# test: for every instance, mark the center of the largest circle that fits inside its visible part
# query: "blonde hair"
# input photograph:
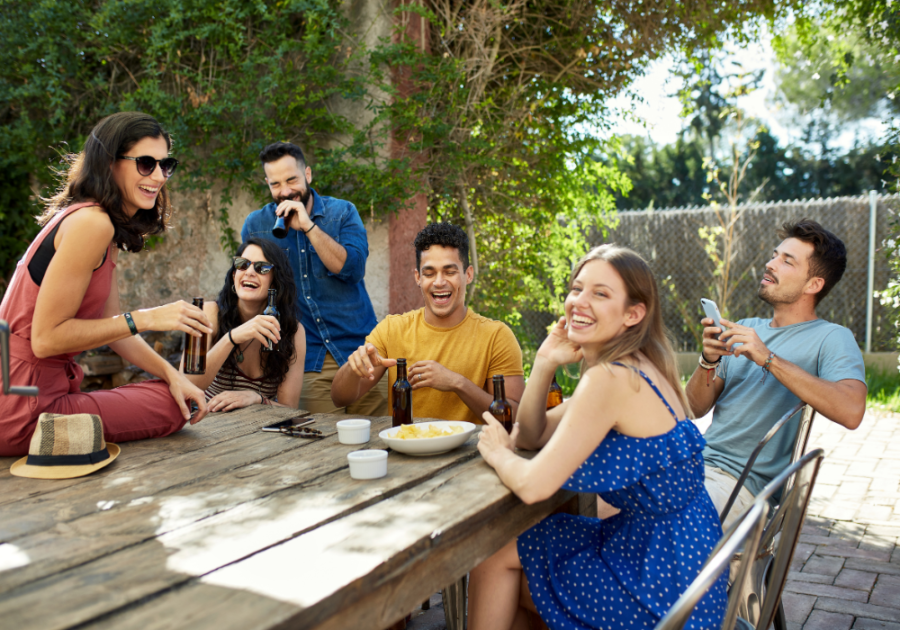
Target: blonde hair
(649, 336)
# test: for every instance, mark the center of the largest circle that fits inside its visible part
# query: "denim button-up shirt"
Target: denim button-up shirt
(334, 308)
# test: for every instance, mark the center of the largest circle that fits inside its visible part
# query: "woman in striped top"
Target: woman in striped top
(238, 374)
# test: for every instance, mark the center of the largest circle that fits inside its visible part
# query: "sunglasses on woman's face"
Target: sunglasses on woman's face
(262, 268)
(146, 165)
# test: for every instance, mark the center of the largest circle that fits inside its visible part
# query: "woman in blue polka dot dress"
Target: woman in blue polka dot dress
(625, 435)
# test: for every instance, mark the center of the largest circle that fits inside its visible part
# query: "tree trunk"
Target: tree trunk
(470, 230)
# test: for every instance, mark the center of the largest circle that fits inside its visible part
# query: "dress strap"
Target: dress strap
(653, 387)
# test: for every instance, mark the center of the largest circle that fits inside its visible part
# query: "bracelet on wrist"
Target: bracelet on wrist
(231, 339)
(766, 365)
(709, 365)
(131, 325)
(310, 229)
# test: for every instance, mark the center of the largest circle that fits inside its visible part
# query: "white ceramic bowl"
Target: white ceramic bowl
(429, 446)
(370, 464)
(355, 431)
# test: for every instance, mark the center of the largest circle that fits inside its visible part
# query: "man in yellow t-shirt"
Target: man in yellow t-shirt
(452, 352)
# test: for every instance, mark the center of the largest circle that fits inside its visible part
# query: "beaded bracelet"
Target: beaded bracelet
(131, 325)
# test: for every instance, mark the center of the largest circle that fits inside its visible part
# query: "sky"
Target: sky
(661, 108)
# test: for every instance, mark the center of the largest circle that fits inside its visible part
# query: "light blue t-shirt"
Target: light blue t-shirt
(747, 408)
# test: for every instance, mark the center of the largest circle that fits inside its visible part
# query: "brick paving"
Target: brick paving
(846, 570)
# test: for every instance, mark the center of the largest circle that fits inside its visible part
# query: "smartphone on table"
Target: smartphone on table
(290, 422)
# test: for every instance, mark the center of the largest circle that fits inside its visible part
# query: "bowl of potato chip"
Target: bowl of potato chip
(427, 438)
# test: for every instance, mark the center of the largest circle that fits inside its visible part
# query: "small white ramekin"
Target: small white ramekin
(353, 431)
(371, 464)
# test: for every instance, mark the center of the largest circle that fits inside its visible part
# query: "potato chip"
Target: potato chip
(419, 431)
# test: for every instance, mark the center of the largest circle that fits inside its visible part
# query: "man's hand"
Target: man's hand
(364, 360)
(713, 349)
(751, 346)
(433, 374)
(183, 390)
(301, 221)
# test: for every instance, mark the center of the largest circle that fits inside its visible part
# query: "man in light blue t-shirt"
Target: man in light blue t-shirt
(763, 367)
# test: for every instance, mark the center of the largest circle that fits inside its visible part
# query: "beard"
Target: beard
(297, 196)
(772, 296)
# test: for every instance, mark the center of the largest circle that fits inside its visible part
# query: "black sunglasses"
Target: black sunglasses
(146, 165)
(262, 268)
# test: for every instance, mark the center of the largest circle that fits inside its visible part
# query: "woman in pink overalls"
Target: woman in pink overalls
(63, 298)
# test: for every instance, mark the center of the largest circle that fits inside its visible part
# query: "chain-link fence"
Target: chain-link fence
(671, 242)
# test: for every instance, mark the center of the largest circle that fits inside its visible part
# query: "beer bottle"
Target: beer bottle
(270, 310)
(195, 348)
(279, 230)
(402, 395)
(554, 396)
(501, 409)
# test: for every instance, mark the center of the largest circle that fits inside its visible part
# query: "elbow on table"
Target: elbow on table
(530, 494)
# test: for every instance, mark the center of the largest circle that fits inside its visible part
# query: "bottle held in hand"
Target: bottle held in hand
(401, 393)
(500, 408)
(555, 395)
(271, 346)
(195, 348)
(279, 230)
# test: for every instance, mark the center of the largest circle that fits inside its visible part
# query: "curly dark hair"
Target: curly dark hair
(829, 257)
(275, 364)
(446, 235)
(278, 150)
(89, 178)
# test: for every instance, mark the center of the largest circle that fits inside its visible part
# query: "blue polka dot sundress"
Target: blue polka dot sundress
(627, 571)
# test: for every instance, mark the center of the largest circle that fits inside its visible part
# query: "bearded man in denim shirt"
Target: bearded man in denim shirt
(327, 246)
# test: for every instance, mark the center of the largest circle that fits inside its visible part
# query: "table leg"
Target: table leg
(454, 597)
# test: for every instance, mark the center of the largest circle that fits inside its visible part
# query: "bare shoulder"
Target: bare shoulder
(88, 221)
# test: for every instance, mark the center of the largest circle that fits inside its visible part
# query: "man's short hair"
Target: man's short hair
(446, 235)
(278, 150)
(829, 257)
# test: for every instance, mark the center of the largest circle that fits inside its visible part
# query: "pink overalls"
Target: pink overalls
(130, 412)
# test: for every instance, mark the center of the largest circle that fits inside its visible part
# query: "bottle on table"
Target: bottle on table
(500, 408)
(555, 395)
(270, 310)
(195, 348)
(401, 393)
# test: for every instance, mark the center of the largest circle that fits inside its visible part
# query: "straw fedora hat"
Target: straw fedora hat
(64, 447)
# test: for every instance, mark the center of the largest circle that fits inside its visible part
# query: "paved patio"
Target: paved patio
(846, 571)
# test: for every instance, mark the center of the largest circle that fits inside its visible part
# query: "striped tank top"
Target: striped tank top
(231, 378)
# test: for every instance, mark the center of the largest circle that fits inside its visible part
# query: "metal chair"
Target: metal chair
(761, 601)
(800, 442)
(742, 538)
(8, 390)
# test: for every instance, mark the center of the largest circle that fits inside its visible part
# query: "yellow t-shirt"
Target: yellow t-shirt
(476, 348)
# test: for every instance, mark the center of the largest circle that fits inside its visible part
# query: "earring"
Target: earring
(233, 290)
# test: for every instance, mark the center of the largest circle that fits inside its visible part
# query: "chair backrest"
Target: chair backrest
(20, 390)
(743, 537)
(799, 446)
(770, 570)
(800, 477)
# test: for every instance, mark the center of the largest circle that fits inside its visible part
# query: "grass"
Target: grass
(884, 389)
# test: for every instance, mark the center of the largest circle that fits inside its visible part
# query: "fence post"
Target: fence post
(870, 284)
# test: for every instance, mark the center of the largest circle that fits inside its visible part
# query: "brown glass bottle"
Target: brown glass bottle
(500, 408)
(554, 396)
(270, 310)
(402, 395)
(195, 348)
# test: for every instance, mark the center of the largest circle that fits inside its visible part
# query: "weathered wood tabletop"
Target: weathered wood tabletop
(224, 526)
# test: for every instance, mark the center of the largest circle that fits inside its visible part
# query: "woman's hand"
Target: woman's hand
(178, 315)
(557, 348)
(183, 390)
(494, 441)
(262, 328)
(231, 400)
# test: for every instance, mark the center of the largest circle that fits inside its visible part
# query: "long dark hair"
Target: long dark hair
(649, 336)
(275, 364)
(89, 178)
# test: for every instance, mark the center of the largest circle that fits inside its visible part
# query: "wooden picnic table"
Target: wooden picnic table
(223, 526)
